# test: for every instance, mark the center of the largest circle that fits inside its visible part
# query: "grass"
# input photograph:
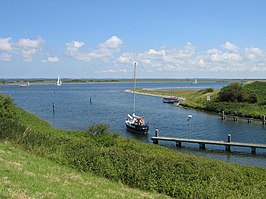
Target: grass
(198, 100)
(24, 175)
(122, 160)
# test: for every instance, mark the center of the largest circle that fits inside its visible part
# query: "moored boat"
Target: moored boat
(170, 99)
(133, 122)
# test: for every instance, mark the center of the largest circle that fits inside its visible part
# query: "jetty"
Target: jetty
(202, 143)
(249, 120)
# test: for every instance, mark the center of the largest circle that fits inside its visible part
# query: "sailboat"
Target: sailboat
(195, 81)
(24, 85)
(59, 81)
(171, 99)
(133, 122)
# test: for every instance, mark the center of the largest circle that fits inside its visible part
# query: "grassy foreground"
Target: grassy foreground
(23, 175)
(130, 162)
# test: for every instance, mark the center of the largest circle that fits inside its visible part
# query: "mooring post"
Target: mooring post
(201, 145)
(253, 150)
(263, 120)
(227, 147)
(178, 144)
(250, 120)
(223, 115)
(155, 141)
(53, 107)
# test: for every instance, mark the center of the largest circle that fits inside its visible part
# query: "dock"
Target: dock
(249, 120)
(202, 143)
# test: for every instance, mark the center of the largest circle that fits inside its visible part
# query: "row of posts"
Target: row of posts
(248, 119)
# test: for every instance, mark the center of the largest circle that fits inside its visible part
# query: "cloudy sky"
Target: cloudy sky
(103, 38)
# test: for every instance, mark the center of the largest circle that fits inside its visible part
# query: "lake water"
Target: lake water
(110, 105)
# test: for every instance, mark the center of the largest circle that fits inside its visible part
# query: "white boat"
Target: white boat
(133, 122)
(195, 81)
(24, 85)
(59, 81)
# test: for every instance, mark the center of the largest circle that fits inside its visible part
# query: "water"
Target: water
(110, 105)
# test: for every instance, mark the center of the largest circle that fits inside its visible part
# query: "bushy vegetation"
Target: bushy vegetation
(235, 92)
(245, 100)
(145, 166)
(24, 176)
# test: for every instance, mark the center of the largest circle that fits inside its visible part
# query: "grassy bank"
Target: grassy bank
(197, 99)
(24, 175)
(136, 164)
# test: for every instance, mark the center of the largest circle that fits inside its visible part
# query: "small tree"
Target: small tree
(235, 93)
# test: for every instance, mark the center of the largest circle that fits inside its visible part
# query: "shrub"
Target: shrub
(207, 90)
(235, 93)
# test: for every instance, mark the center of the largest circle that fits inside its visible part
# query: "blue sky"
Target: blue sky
(103, 38)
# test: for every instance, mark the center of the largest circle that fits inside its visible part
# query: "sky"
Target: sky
(104, 38)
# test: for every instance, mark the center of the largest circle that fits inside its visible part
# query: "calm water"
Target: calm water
(110, 105)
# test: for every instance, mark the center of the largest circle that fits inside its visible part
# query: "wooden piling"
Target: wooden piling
(263, 120)
(201, 145)
(156, 135)
(178, 144)
(223, 115)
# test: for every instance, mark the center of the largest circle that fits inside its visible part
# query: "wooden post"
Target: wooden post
(53, 107)
(263, 120)
(201, 145)
(223, 115)
(253, 150)
(178, 144)
(155, 141)
(228, 147)
(156, 133)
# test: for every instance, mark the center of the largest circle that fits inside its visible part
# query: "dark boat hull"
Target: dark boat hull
(143, 129)
(170, 100)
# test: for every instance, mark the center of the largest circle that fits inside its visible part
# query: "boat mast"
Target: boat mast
(134, 89)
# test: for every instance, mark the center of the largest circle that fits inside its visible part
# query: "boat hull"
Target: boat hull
(143, 129)
(170, 100)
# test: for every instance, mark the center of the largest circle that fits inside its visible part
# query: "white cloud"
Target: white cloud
(28, 43)
(112, 43)
(5, 57)
(51, 60)
(5, 44)
(27, 48)
(27, 54)
(228, 58)
(231, 47)
(104, 50)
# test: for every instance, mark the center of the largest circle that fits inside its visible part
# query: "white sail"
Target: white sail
(59, 82)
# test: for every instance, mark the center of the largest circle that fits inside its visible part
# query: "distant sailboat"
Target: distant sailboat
(133, 122)
(59, 81)
(195, 81)
(24, 85)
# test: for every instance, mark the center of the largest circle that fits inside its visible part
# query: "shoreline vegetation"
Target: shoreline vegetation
(147, 167)
(19, 81)
(244, 100)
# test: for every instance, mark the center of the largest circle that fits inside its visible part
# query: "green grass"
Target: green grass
(198, 100)
(123, 160)
(24, 175)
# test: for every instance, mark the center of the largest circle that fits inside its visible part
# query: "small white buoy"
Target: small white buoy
(189, 117)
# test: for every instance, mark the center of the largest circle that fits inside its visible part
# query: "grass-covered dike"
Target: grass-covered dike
(130, 162)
